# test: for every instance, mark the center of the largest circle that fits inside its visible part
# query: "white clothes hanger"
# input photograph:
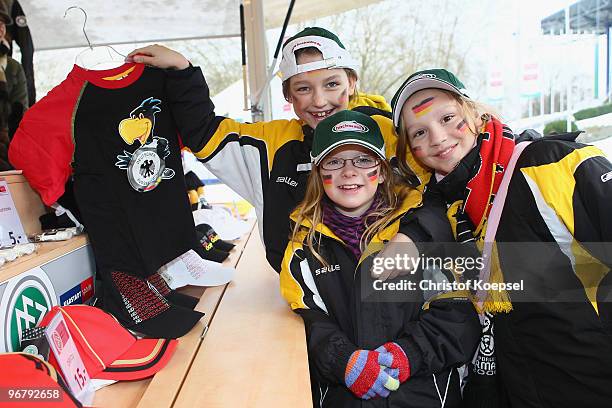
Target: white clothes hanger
(96, 56)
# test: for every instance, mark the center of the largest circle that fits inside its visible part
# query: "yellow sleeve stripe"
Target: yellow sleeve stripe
(289, 286)
(559, 196)
(273, 134)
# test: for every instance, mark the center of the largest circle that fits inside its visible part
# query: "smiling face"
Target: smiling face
(438, 133)
(318, 94)
(350, 188)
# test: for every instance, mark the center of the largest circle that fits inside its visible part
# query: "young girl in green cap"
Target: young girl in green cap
(376, 351)
(545, 205)
(268, 163)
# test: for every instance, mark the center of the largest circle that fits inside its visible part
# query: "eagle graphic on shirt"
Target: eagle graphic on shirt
(146, 167)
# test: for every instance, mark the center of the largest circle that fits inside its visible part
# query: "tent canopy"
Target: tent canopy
(135, 21)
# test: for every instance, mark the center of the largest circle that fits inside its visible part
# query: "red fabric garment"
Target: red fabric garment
(43, 146)
(43, 149)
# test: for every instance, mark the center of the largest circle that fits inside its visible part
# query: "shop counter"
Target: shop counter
(248, 350)
(58, 273)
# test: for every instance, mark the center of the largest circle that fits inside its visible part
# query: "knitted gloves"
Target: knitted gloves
(399, 360)
(365, 374)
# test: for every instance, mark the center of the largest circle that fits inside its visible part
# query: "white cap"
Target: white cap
(334, 56)
(227, 227)
(190, 269)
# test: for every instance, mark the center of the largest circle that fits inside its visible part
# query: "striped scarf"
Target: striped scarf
(348, 229)
(472, 185)
(469, 191)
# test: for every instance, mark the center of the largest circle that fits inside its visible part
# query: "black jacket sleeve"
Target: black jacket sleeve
(445, 335)
(328, 347)
(427, 226)
(448, 330)
(591, 203)
(192, 109)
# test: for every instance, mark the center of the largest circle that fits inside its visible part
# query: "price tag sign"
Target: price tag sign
(69, 360)
(11, 229)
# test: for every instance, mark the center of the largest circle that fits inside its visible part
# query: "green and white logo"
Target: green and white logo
(27, 298)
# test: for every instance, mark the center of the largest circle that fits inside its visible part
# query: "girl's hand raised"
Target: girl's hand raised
(158, 56)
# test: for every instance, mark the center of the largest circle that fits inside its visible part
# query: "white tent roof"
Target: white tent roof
(132, 21)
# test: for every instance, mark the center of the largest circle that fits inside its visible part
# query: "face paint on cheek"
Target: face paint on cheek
(418, 152)
(327, 180)
(373, 176)
(344, 97)
(462, 126)
(423, 107)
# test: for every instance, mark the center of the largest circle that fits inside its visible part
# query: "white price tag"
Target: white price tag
(69, 360)
(11, 229)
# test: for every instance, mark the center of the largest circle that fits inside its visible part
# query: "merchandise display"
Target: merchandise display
(210, 251)
(227, 227)
(108, 350)
(213, 237)
(115, 130)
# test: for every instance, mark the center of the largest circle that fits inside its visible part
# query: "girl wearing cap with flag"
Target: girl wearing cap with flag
(268, 163)
(538, 210)
(366, 349)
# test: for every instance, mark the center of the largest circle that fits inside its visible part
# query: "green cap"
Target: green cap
(430, 78)
(343, 128)
(316, 31)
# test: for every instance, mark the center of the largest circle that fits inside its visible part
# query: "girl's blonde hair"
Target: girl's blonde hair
(309, 51)
(474, 113)
(311, 210)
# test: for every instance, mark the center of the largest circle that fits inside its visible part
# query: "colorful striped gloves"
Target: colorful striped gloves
(399, 360)
(376, 373)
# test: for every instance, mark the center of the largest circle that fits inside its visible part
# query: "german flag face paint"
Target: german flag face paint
(462, 126)
(327, 180)
(423, 107)
(373, 176)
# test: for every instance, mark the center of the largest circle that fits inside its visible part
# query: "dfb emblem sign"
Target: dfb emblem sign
(26, 299)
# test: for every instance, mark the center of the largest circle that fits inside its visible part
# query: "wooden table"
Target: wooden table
(255, 353)
(248, 350)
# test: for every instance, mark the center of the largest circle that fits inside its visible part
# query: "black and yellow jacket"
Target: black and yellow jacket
(342, 313)
(267, 163)
(554, 347)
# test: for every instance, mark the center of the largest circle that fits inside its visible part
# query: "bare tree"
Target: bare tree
(219, 59)
(395, 38)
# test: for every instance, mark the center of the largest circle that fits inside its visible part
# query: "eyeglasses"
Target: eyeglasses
(361, 162)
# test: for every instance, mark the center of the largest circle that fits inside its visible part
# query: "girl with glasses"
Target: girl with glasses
(367, 348)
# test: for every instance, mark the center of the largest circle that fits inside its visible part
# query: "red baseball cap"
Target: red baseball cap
(29, 372)
(108, 350)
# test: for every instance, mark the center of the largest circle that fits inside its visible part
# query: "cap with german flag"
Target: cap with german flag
(437, 78)
(109, 351)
